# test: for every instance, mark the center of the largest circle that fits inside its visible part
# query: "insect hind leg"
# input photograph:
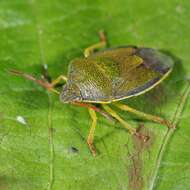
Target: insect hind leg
(149, 117)
(132, 130)
(118, 118)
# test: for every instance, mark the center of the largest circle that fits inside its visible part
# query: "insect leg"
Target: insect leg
(116, 116)
(99, 45)
(90, 138)
(58, 79)
(96, 109)
(124, 123)
(144, 115)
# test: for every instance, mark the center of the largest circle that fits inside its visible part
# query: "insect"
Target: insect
(109, 76)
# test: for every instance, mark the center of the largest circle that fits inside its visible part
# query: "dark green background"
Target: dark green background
(33, 33)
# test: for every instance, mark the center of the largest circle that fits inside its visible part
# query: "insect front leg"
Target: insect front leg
(101, 44)
(144, 115)
(52, 84)
(58, 79)
(90, 138)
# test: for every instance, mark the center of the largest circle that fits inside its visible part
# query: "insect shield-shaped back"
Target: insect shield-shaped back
(115, 74)
(156, 60)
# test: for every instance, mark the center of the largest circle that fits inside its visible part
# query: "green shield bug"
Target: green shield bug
(109, 76)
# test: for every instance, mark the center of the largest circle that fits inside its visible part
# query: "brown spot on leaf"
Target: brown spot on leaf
(3, 183)
(135, 172)
(1, 115)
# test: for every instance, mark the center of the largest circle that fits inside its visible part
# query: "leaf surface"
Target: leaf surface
(43, 142)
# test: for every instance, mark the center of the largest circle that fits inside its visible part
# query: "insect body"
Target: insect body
(109, 76)
(115, 74)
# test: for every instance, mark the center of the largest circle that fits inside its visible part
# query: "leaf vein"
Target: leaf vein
(168, 134)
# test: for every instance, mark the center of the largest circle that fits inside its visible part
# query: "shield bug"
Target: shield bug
(109, 76)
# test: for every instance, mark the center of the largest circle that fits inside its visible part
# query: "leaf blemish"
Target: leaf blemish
(73, 150)
(21, 120)
(135, 171)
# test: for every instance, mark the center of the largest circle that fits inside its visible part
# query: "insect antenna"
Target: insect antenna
(49, 87)
(41, 82)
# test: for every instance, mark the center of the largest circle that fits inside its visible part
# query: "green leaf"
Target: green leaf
(43, 142)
